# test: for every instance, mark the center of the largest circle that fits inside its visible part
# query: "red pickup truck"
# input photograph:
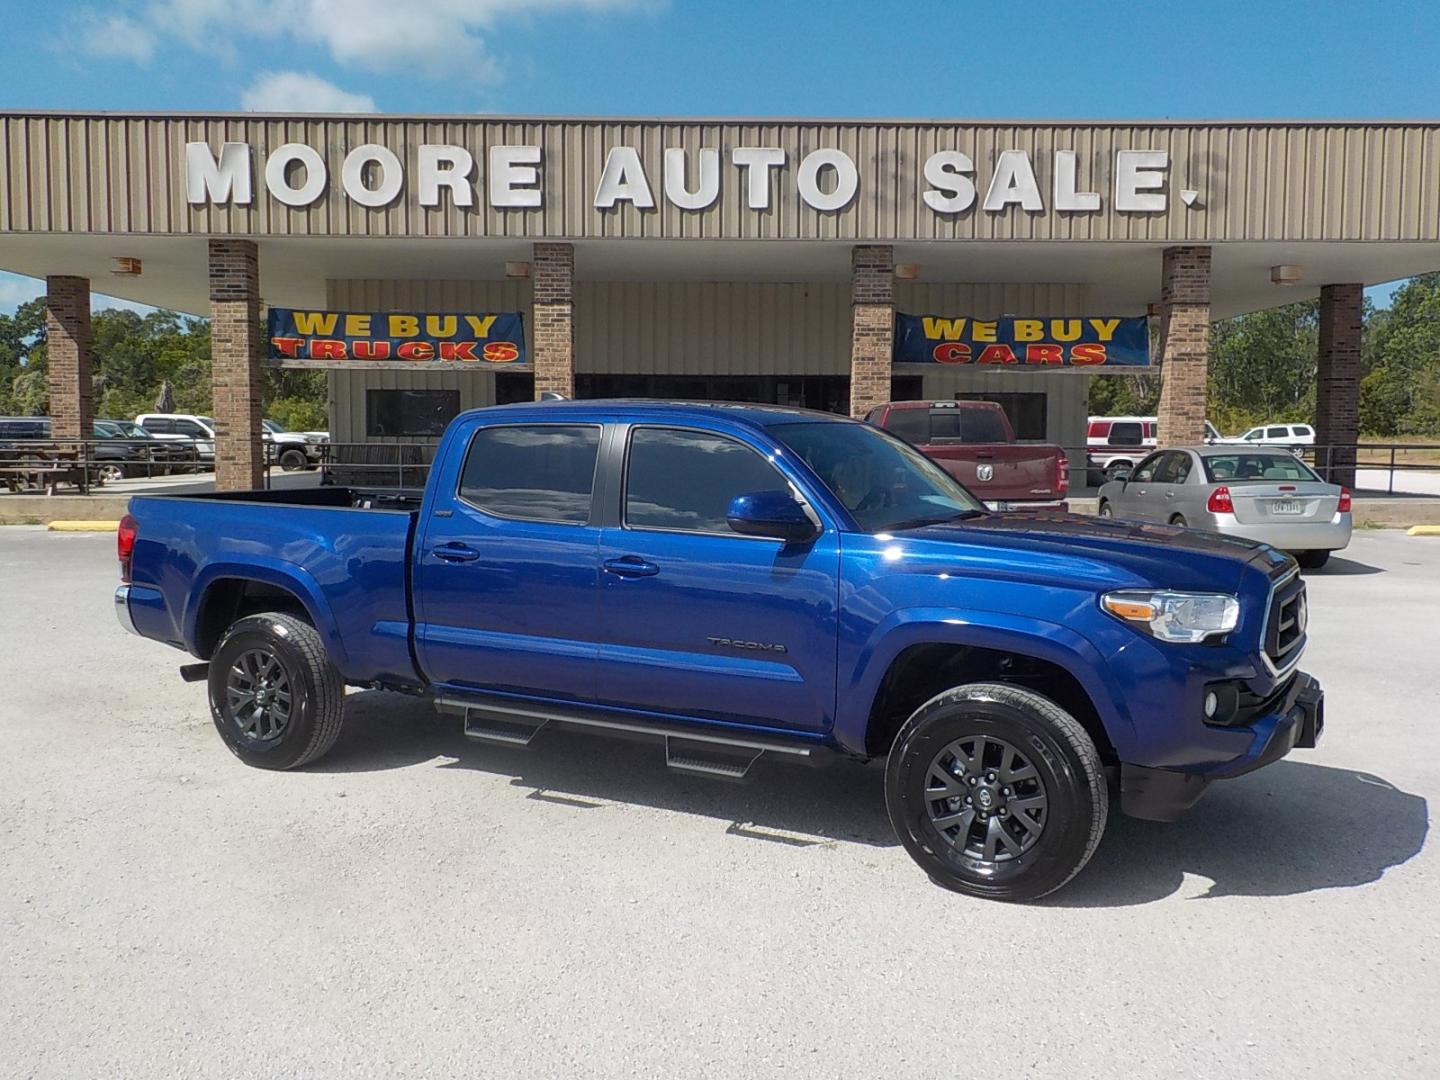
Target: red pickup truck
(974, 442)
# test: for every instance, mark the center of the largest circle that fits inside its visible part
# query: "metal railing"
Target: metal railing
(377, 466)
(49, 465)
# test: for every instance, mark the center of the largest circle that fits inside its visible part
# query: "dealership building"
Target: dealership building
(431, 264)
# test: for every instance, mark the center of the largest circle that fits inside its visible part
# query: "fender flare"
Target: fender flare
(1052, 642)
(285, 576)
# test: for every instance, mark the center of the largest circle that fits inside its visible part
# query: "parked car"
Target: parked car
(974, 442)
(111, 455)
(1291, 435)
(166, 455)
(1114, 444)
(198, 430)
(1263, 494)
(295, 450)
(743, 580)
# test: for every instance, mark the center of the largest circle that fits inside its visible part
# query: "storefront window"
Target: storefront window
(409, 413)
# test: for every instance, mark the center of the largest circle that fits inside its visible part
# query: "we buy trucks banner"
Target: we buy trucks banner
(1012, 341)
(467, 337)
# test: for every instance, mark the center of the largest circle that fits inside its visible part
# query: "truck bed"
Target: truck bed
(342, 554)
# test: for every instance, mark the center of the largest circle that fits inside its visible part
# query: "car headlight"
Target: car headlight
(1183, 617)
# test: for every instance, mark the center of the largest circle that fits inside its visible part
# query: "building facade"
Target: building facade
(738, 259)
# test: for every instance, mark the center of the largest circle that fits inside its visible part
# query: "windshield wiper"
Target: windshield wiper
(922, 522)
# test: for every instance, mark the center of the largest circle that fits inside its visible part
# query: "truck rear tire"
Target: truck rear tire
(996, 792)
(275, 697)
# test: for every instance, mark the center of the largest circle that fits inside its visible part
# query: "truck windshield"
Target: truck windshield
(885, 483)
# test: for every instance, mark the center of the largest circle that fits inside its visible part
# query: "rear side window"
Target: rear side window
(1126, 433)
(1277, 433)
(1099, 429)
(536, 472)
(1174, 468)
(967, 426)
(189, 427)
(159, 426)
(912, 425)
(679, 479)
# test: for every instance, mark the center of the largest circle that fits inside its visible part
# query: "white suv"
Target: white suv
(188, 427)
(295, 449)
(1277, 435)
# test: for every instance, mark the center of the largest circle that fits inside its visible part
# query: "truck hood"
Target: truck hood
(1116, 554)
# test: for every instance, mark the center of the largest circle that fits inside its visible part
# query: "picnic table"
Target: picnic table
(22, 468)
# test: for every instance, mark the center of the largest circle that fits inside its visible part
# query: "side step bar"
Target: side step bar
(687, 750)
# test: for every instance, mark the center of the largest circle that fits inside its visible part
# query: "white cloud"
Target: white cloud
(116, 37)
(294, 91)
(440, 39)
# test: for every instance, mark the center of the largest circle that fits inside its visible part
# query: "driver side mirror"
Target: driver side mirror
(775, 514)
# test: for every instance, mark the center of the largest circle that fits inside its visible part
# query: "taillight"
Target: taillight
(1220, 502)
(1062, 474)
(1344, 500)
(125, 544)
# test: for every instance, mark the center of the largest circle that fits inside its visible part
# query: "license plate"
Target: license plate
(1286, 506)
(1000, 506)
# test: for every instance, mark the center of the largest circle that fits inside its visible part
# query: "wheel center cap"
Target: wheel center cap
(985, 798)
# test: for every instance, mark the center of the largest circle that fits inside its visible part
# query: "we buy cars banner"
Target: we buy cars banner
(468, 337)
(1012, 341)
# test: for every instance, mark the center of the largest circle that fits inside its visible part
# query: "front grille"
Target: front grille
(1285, 624)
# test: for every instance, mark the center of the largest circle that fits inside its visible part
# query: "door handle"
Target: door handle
(455, 553)
(1169, 494)
(630, 566)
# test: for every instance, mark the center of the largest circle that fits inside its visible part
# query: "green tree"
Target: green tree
(1400, 392)
(1262, 366)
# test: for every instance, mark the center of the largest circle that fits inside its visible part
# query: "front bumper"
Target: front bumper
(1165, 794)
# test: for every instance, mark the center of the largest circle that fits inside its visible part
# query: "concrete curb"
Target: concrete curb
(83, 526)
(43, 509)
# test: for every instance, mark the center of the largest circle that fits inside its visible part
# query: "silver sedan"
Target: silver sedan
(1259, 493)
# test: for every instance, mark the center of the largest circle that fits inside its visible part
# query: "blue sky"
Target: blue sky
(961, 59)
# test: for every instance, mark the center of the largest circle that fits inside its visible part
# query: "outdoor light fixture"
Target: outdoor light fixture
(1285, 274)
(517, 269)
(126, 265)
(907, 271)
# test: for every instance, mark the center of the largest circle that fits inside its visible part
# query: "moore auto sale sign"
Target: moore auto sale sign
(512, 177)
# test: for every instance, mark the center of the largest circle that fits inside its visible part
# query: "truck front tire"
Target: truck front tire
(996, 792)
(276, 698)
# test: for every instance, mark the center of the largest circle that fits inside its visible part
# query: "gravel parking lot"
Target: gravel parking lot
(416, 905)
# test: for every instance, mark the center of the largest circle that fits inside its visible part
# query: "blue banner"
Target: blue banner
(1010, 341)
(419, 337)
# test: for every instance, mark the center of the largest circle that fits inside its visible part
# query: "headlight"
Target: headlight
(1175, 616)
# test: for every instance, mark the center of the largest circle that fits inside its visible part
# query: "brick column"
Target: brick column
(67, 346)
(872, 325)
(1337, 389)
(1184, 345)
(552, 349)
(235, 364)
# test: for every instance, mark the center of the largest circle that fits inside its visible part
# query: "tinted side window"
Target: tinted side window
(686, 479)
(1147, 469)
(912, 425)
(967, 425)
(189, 427)
(159, 426)
(538, 472)
(1277, 433)
(1180, 468)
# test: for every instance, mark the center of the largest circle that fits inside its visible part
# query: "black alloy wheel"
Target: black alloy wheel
(986, 798)
(276, 699)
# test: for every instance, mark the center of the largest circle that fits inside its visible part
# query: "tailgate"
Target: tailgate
(1000, 472)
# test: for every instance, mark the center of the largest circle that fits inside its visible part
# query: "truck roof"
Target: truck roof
(651, 409)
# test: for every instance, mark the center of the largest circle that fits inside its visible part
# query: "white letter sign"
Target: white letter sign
(1139, 178)
(757, 161)
(445, 166)
(352, 175)
(847, 180)
(709, 187)
(217, 180)
(623, 178)
(1013, 183)
(279, 162)
(514, 176)
(1066, 197)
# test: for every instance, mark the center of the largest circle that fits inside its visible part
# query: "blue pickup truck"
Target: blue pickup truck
(740, 580)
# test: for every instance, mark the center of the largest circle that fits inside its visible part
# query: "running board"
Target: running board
(687, 750)
(708, 759)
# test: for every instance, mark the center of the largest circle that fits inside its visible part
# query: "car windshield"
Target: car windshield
(272, 427)
(883, 481)
(1242, 467)
(207, 422)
